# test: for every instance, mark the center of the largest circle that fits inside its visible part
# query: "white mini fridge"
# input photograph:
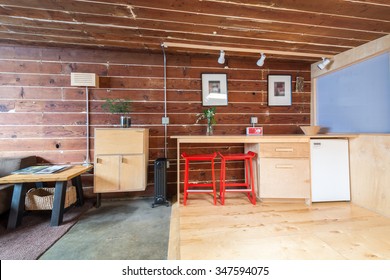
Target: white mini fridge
(329, 170)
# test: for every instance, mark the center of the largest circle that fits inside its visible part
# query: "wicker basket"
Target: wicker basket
(42, 198)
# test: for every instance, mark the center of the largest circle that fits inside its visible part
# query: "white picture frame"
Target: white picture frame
(279, 90)
(214, 89)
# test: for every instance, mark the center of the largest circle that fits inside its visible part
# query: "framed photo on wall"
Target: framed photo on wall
(214, 90)
(279, 90)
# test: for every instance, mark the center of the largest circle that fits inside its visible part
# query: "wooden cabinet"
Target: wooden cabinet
(284, 171)
(121, 159)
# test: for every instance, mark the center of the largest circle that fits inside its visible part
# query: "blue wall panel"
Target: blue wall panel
(357, 98)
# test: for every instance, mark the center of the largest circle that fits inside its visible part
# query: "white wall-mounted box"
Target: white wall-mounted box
(84, 79)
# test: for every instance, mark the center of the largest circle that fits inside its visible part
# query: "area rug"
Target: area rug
(126, 229)
(35, 235)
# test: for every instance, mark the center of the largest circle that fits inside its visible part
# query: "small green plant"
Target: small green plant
(208, 114)
(117, 105)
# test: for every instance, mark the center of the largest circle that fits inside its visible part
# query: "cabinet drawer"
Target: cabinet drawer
(120, 141)
(284, 178)
(284, 150)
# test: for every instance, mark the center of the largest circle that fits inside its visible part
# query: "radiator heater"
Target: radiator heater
(160, 182)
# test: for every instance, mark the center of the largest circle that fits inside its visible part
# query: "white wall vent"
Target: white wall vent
(84, 79)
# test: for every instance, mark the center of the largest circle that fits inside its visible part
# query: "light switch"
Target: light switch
(253, 120)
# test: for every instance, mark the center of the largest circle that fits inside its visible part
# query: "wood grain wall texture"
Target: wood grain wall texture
(42, 115)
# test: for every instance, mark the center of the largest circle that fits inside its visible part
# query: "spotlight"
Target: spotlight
(221, 59)
(260, 62)
(322, 65)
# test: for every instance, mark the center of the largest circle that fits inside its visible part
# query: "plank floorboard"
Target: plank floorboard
(278, 231)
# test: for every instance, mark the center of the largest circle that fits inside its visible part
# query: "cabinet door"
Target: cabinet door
(284, 178)
(106, 174)
(132, 173)
(120, 141)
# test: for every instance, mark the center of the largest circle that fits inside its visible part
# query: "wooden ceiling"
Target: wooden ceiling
(305, 29)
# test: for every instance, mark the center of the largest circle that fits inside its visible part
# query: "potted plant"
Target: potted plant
(119, 106)
(209, 115)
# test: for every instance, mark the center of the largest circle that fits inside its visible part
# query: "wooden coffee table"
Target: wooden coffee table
(61, 178)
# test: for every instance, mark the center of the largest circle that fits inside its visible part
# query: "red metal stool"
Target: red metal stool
(204, 186)
(249, 179)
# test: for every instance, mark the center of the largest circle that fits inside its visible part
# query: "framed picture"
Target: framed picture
(279, 90)
(214, 90)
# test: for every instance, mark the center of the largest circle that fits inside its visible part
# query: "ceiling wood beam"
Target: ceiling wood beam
(242, 50)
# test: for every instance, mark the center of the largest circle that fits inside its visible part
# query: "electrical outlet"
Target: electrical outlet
(165, 120)
(253, 120)
(167, 163)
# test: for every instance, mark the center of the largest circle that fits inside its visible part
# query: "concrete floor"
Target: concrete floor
(118, 230)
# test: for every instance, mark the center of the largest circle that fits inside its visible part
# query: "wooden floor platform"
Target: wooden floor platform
(276, 231)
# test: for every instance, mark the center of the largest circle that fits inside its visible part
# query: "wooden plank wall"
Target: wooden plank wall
(42, 115)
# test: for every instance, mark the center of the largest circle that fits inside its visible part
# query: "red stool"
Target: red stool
(204, 186)
(249, 179)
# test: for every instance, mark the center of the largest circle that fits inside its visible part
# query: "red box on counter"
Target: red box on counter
(254, 131)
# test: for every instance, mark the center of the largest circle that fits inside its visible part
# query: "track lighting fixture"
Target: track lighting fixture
(322, 65)
(260, 62)
(221, 58)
